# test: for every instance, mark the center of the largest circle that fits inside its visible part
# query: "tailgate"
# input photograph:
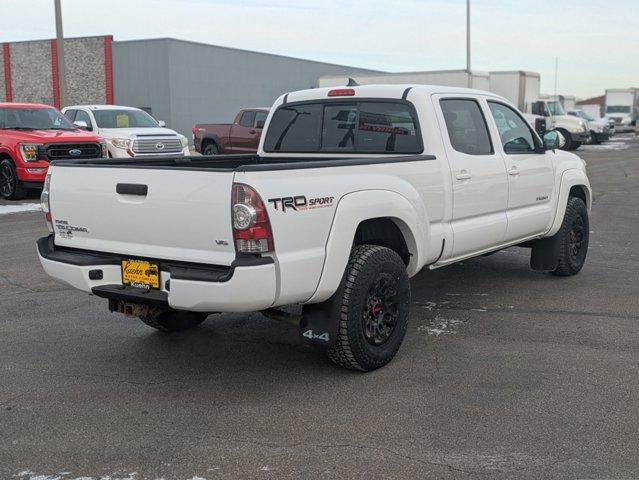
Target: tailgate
(185, 215)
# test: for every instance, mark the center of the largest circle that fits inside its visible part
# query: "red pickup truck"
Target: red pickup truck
(241, 136)
(32, 135)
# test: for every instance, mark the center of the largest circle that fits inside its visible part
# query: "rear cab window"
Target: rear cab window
(356, 126)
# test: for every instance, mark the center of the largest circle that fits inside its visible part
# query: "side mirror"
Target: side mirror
(540, 125)
(162, 123)
(552, 140)
(538, 109)
(82, 125)
(259, 124)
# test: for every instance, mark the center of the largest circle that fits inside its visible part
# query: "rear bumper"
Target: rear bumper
(247, 285)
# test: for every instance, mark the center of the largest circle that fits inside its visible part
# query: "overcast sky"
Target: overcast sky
(596, 41)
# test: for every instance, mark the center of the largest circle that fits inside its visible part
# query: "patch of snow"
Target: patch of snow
(440, 326)
(20, 208)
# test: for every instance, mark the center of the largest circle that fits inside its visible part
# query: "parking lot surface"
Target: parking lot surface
(505, 373)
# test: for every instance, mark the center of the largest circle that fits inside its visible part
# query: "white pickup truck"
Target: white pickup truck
(353, 191)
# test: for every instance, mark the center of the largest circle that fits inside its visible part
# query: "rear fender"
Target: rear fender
(570, 178)
(355, 208)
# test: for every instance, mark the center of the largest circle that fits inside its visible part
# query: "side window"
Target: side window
(516, 135)
(260, 119)
(466, 126)
(83, 116)
(247, 119)
(70, 114)
(295, 128)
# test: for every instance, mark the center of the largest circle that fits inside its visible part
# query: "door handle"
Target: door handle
(131, 189)
(513, 171)
(252, 132)
(463, 175)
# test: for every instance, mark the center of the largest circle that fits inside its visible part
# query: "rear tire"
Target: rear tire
(211, 149)
(174, 320)
(375, 302)
(573, 238)
(11, 187)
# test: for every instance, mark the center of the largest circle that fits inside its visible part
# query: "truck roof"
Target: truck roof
(381, 91)
(24, 105)
(104, 107)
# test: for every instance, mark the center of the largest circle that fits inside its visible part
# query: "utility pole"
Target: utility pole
(62, 70)
(556, 68)
(468, 42)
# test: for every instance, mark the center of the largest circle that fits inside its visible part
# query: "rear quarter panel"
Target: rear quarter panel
(301, 234)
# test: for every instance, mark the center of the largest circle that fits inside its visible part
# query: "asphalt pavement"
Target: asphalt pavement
(505, 373)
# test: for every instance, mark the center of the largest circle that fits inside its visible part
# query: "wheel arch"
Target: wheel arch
(574, 183)
(209, 139)
(378, 217)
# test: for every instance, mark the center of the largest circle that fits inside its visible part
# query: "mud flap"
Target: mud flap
(545, 254)
(319, 324)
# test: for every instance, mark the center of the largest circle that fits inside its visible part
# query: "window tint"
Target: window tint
(466, 126)
(295, 128)
(247, 119)
(83, 116)
(387, 127)
(338, 132)
(356, 127)
(70, 114)
(260, 118)
(516, 136)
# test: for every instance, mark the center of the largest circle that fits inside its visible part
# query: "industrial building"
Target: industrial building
(177, 81)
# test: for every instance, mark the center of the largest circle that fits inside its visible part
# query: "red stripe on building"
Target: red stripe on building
(55, 79)
(108, 69)
(6, 59)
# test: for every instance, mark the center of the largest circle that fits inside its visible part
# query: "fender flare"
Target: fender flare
(211, 137)
(353, 209)
(570, 178)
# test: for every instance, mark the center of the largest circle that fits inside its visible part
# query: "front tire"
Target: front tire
(573, 238)
(567, 138)
(174, 320)
(374, 306)
(11, 187)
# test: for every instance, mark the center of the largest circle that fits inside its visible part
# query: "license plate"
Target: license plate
(141, 274)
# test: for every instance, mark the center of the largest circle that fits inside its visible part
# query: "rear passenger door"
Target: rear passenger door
(479, 178)
(530, 171)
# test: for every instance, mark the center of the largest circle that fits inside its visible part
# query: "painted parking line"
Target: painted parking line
(19, 208)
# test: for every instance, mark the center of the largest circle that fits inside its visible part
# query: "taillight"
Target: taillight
(251, 227)
(45, 201)
(341, 92)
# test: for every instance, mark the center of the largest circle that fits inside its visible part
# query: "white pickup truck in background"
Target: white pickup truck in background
(129, 132)
(353, 191)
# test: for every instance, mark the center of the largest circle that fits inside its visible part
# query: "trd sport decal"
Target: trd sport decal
(300, 202)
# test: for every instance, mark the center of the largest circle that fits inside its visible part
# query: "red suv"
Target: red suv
(31, 136)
